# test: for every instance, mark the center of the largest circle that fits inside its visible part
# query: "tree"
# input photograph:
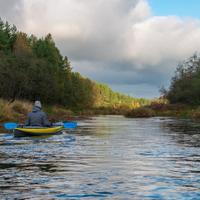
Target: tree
(7, 36)
(33, 68)
(185, 84)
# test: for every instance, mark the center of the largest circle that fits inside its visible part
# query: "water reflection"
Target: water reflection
(184, 131)
(108, 157)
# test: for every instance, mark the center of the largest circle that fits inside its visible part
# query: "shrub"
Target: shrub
(59, 113)
(140, 112)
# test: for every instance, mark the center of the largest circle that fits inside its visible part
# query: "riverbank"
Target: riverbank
(17, 112)
(165, 110)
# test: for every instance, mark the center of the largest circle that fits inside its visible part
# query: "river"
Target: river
(106, 157)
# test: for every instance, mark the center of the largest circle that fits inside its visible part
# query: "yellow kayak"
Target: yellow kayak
(34, 131)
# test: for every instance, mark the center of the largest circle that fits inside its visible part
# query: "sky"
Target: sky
(134, 46)
(182, 8)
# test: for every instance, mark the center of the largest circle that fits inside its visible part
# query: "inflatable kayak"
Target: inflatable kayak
(37, 131)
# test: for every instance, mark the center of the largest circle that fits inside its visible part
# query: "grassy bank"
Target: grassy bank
(17, 111)
(165, 110)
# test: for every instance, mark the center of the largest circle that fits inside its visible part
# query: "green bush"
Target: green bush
(141, 112)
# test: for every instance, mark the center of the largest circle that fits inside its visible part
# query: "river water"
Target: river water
(106, 157)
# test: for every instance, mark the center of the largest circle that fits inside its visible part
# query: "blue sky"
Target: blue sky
(182, 8)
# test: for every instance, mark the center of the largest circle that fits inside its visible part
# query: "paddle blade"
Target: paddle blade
(10, 125)
(70, 124)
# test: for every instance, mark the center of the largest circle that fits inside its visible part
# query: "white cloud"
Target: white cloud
(164, 40)
(11, 11)
(85, 29)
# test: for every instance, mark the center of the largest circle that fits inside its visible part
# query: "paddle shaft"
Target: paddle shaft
(13, 125)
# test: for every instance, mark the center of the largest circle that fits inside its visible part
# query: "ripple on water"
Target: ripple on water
(107, 157)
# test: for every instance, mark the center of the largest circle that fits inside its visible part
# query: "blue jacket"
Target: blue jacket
(37, 118)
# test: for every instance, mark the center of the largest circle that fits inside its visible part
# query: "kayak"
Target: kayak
(37, 131)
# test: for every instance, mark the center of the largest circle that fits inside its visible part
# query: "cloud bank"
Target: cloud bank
(118, 42)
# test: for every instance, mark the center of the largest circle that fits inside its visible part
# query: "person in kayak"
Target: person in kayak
(37, 117)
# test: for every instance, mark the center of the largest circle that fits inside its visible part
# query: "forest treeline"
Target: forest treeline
(33, 68)
(185, 84)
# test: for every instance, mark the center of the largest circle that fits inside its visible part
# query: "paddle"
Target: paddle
(13, 125)
(66, 124)
(10, 125)
(70, 124)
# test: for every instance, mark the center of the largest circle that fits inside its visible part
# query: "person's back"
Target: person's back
(37, 117)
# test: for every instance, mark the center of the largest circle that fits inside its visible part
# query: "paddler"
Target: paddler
(37, 117)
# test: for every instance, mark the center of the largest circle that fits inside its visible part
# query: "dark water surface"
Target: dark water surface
(108, 157)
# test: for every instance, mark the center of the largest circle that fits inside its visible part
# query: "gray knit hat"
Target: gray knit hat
(38, 104)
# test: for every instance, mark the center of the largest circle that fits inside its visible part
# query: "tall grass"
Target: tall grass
(16, 110)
